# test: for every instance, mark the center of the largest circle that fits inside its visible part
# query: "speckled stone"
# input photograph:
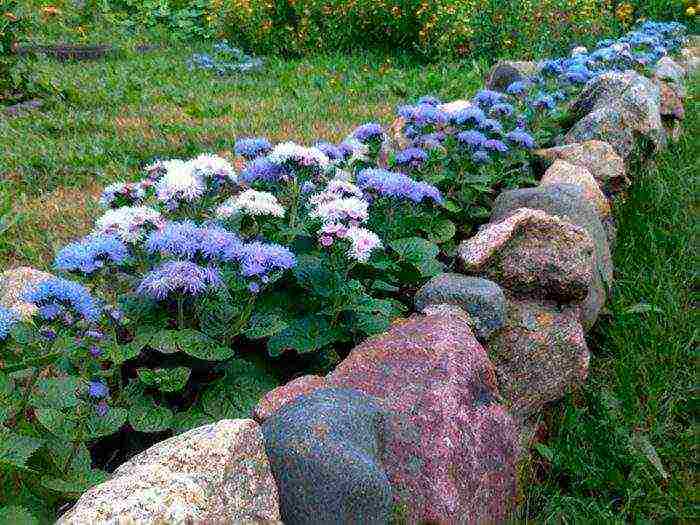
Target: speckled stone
(325, 451)
(618, 108)
(690, 59)
(533, 254)
(567, 202)
(598, 157)
(503, 74)
(282, 395)
(563, 172)
(449, 447)
(540, 354)
(217, 473)
(482, 299)
(13, 283)
(671, 106)
(667, 69)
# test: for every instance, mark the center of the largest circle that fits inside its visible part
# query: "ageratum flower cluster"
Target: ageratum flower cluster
(61, 299)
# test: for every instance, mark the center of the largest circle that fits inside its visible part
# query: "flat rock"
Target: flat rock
(449, 447)
(598, 157)
(325, 451)
(282, 395)
(533, 254)
(215, 473)
(618, 108)
(504, 73)
(540, 354)
(482, 299)
(562, 172)
(13, 284)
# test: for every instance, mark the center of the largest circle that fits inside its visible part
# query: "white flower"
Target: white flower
(579, 50)
(180, 182)
(128, 222)
(290, 151)
(131, 190)
(337, 188)
(362, 243)
(251, 202)
(358, 149)
(340, 209)
(213, 166)
(455, 106)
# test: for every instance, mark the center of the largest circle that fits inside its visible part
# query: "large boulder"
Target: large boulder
(325, 451)
(217, 473)
(449, 448)
(668, 70)
(533, 254)
(567, 202)
(282, 395)
(618, 108)
(504, 73)
(562, 172)
(671, 101)
(540, 354)
(13, 284)
(482, 299)
(598, 157)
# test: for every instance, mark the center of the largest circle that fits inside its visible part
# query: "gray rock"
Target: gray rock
(562, 172)
(619, 108)
(567, 202)
(482, 299)
(503, 74)
(325, 450)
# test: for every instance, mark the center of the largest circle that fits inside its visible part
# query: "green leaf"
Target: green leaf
(190, 342)
(57, 423)
(145, 416)
(100, 426)
(451, 206)
(76, 485)
(56, 392)
(120, 353)
(17, 516)
(16, 449)
(23, 333)
(383, 286)
(313, 274)
(165, 379)
(61, 450)
(442, 230)
(264, 325)
(165, 341)
(192, 418)
(545, 451)
(305, 334)
(419, 253)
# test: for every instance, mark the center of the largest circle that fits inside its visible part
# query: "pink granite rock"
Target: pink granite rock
(532, 253)
(282, 395)
(540, 354)
(671, 106)
(449, 448)
(563, 172)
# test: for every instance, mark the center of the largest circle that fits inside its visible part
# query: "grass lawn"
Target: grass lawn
(118, 115)
(623, 449)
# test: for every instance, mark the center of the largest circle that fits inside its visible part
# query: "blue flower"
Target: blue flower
(260, 259)
(251, 148)
(182, 277)
(521, 138)
(91, 253)
(429, 100)
(517, 88)
(367, 132)
(481, 157)
(544, 102)
(187, 240)
(56, 296)
(97, 389)
(471, 138)
(468, 116)
(412, 157)
(501, 110)
(492, 126)
(487, 98)
(261, 170)
(422, 115)
(552, 67)
(8, 318)
(333, 152)
(396, 185)
(496, 145)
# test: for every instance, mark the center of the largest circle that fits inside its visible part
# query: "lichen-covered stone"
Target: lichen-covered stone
(325, 451)
(667, 69)
(567, 202)
(618, 108)
(503, 74)
(540, 354)
(13, 284)
(598, 157)
(282, 395)
(534, 254)
(563, 172)
(482, 299)
(449, 448)
(217, 473)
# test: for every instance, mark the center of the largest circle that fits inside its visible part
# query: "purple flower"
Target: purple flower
(91, 253)
(102, 408)
(261, 170)
(8, 318)
(491, 126)
(326, 240)
(94, 334)
(578, 74)
(95, 351)
(518, 88)
(260, 259)
(48, 334)
(368, 132)
(429, 100)
(396, 185)
(422, 115)
(253, 287)
(481, 157)
(251, 148)
(471, 138)
(56, 296)
(182, 277)
(487, 98)
(501, 110)
(468, 116)
(413, 157)
(188, 240)
(496, 145)
(97, 389)
(333, 152)
(521, 138)
(552, 67)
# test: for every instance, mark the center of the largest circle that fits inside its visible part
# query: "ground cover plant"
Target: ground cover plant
(190, 260)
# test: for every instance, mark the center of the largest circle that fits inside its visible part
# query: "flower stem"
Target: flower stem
(180, 312)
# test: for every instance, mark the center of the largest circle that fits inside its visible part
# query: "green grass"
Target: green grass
(623, 449)
(115, 116)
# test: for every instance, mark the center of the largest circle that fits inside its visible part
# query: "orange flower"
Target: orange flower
(50, 10)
